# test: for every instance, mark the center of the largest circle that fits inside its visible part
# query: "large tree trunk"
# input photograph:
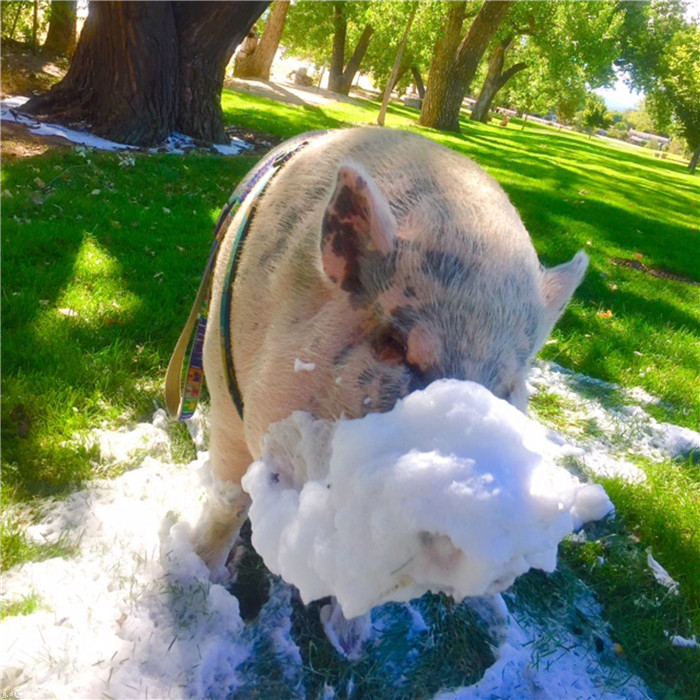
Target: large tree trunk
(339, 78)
(440, 74)
(451, 71)
(144, 69)
(495, 80)
(208, 33)
(257, 64)
(60, 39)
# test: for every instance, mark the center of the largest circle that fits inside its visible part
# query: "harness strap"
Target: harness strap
(182, 394)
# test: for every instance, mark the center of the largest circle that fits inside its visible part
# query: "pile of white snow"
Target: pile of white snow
(453, 491)
(10, 110)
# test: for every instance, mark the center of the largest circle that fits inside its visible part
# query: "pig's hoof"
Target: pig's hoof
(346, 636)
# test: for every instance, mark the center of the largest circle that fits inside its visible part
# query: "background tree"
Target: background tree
(341, 74)
(144, 69)
(257, 64)
(61, 36)
(397, 65)
(577, 43)
(595, 115)
(415, 61)
(660, 55)
(323, 34)
(24, 20)
(455, 61)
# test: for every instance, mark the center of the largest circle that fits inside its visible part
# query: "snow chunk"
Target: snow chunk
(660, 574)
(454, 490)
(678, 641)
(301, 366)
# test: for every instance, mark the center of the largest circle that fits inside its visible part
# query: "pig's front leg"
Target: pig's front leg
(226, 504)
(346, 636)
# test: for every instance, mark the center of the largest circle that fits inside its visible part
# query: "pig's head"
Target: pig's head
(432, 287)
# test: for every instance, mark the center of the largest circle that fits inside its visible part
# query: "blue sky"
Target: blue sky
(618, 97)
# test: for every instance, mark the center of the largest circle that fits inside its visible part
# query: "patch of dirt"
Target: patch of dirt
(26, 73)
(653, 271)
(16, 141)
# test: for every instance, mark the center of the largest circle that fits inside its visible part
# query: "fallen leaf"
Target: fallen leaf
(39, 182)
(638, 256)
(605, 314)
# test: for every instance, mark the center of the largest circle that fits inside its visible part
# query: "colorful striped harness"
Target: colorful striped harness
(182, 395)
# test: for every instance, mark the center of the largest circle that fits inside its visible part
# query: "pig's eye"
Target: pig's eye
(390, 347)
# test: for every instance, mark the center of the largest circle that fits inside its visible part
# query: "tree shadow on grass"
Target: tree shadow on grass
(140, 246)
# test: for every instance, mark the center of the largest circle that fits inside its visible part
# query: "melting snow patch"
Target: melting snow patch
(10, 110)
(660, 574)
(620, 430)
(678, 641)
(453, 490)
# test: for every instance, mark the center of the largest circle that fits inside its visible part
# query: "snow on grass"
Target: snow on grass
(11, 110)
(134, 614)
(610, 433)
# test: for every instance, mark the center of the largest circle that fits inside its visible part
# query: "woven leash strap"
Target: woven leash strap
(182, 392)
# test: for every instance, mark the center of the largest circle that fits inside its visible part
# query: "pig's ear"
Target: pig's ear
(558, 285)
(357, 221)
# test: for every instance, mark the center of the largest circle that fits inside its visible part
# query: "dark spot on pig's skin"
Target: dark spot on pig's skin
(347, 205)
(274, 253)
(343, 355)
(367, 376)
(391, 389)
(443, 267)
(405, 317)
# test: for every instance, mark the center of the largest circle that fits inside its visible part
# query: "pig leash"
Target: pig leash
(182, 393)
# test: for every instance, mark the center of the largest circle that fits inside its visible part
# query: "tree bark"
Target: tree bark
(452, 70)
(397, 67)
(144, 69)
(440, 74)
(418, 80)
(340, 29)
(694, 160)
(339, 78)
(257, 64)
(35, 27)
(208, 33)
(60, 39)
(496, 78)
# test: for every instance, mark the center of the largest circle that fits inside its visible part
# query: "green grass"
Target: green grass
(97, 285)
(26, 605)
